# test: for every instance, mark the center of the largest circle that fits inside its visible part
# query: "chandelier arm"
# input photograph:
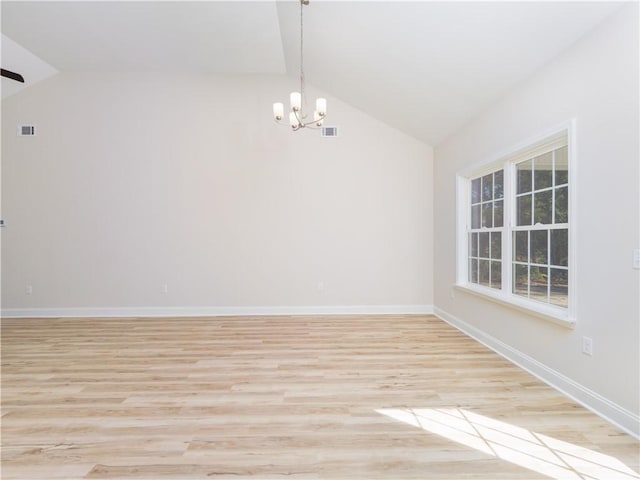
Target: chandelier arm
(299, 117)
(313, 125)
(302, 124)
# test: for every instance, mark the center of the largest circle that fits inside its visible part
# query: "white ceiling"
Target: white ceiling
(17, 59)
(425, 68)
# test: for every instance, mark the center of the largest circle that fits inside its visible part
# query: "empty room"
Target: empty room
(320, 240)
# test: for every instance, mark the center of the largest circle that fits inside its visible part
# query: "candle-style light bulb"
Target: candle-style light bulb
(321, 106)
(296, 101)
(278, 111)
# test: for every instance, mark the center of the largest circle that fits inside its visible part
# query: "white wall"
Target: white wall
(595, 81)
(138, 180)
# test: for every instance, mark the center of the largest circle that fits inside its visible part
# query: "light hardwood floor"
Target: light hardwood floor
(372, 397)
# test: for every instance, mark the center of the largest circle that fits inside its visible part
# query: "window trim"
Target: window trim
(545, 141)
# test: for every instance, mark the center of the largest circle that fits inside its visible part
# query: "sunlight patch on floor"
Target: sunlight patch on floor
(540, 453)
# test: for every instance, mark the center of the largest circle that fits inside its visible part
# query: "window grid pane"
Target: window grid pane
(559, 287)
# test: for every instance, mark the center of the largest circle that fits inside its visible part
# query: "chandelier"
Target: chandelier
(297, 117)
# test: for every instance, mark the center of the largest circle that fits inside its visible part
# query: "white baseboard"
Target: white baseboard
(216, 311)
(601, 406)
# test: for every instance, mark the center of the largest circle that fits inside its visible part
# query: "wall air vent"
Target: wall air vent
(26, 130)
(329, 131)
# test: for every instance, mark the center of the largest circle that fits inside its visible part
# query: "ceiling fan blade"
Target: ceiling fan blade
(12, 75)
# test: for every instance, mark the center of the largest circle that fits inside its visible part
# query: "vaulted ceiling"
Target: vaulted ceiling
(425, 68)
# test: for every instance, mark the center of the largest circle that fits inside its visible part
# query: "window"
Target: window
(514, 243)
(485, 232)
(541, 231)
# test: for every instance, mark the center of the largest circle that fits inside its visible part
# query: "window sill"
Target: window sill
(559, 316)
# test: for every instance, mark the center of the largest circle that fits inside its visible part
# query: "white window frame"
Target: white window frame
(507, 161)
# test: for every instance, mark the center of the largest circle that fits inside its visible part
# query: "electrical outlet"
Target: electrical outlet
(165, 288)
(636, 258)
(587, 346)
(28, 290)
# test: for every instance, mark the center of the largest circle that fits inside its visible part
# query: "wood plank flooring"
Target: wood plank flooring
(367, 397)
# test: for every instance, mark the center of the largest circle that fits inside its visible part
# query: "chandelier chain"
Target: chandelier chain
(302, 79)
